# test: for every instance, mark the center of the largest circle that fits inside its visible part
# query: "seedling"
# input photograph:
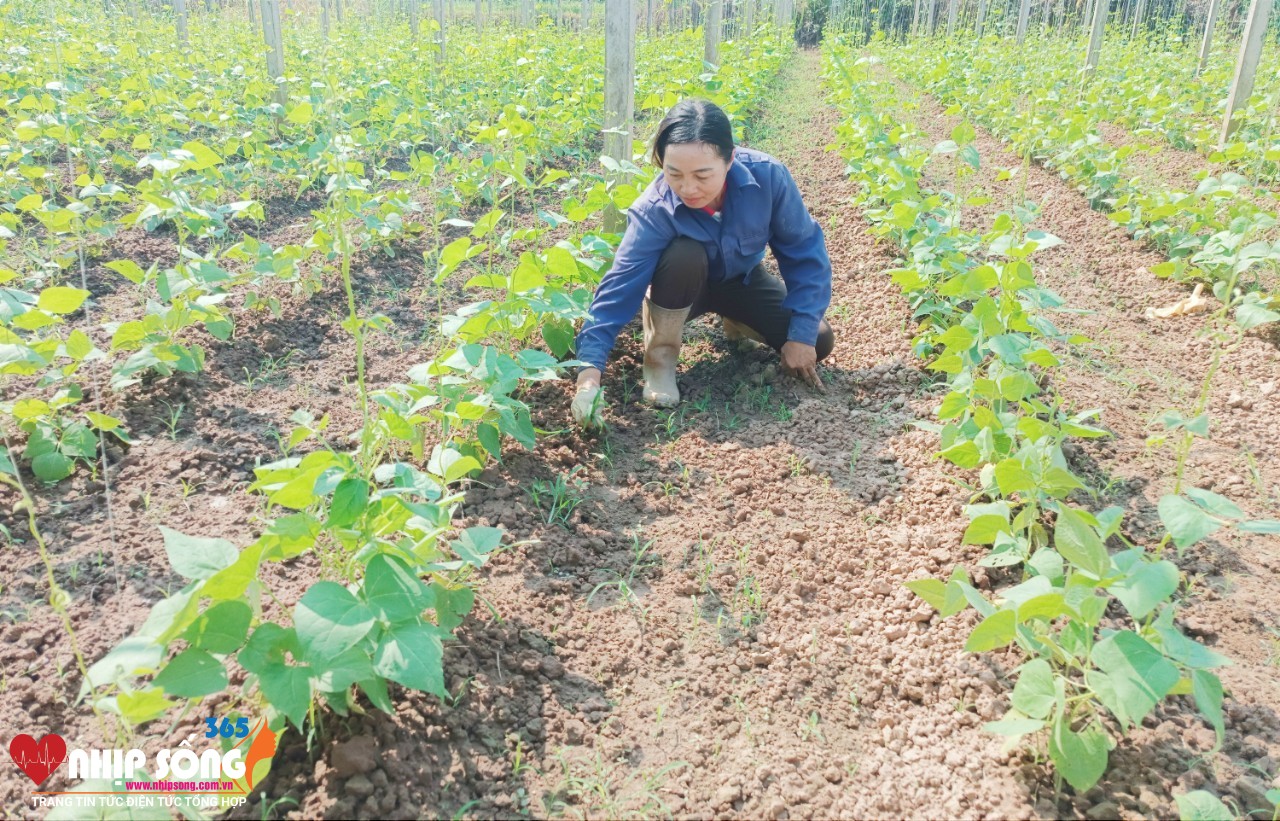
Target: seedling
(561, 497)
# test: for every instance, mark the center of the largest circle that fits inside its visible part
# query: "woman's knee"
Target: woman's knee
(826, 341)
(680, 274)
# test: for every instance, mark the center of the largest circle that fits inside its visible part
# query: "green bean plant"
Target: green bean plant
(1089, 670)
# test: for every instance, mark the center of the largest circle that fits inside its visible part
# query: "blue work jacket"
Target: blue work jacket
(761, 205)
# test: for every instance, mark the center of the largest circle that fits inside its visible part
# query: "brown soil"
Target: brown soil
(1135, 370)
(763, 658)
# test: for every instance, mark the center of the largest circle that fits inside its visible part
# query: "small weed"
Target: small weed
(268, 369)
(592, 788)
(173, 419)
(811, 730)
(561, 497)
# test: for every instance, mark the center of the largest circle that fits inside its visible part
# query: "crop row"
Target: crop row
(1097, 625)
(375, 518)
(1221, 233)
(102, 140)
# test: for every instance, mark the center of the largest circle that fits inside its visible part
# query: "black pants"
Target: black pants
(680, 280)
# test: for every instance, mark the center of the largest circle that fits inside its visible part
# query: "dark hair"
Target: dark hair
(694, 121)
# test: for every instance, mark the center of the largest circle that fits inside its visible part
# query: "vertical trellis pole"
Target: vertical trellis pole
(440, 10)
(1255, 29)
(275, 46)
(711, 34)
(1100, 9)
(1206, 45)
(1138, 12)
(324, 19)
(619, 91)
(1024, 14)
(982, 19)
(413, 18)
(180, 11)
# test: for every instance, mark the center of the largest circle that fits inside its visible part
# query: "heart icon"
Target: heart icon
(38, 758)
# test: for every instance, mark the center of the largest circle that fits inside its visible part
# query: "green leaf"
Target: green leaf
(222, 628)
(191, 674)
(61, 300)
(329, 620)
(995, 631)
(1079, 543)
(287, 688)
(412, 654)
(1215, 503)
(1207, 690)
(335, 675)
(963, 454)
(350, 499)
(193, 557)
(301, 114)
(1034, 693)
(376, 689)
(52, 467)
(1202, 805)
(393, 592)
(1139, 675)
(1012, 477)
(205, 157)
(476, 543)
(984, 529)
(559, 336)
(128, 269)
(1250, 315)
(452, 605)
(1081, 758)
(1186, 522)
(933, 591)
(232, 581)
(1014, 727)
(1147, 585)
(131, 657)
(561, 263)
(141, 706)
(1268, 526)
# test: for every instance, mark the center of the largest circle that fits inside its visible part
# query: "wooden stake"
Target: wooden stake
(619, 91)
(275, 46)
(1255, 28)
(711, 34)
(1100, 9)
(1206, 45)
(1024, 14)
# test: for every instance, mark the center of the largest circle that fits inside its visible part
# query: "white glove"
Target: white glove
(588, 404)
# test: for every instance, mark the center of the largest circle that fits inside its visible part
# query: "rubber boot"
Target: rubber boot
(663, 329)
(736, 331)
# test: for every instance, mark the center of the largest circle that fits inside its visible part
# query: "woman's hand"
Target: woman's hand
(801, 361)
(588, 402)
